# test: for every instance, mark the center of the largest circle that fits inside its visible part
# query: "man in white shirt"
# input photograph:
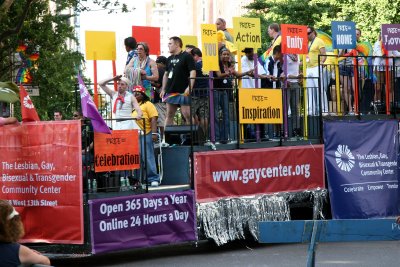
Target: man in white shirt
(247, 62)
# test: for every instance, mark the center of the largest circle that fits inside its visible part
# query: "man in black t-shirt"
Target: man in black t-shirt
(175, 88)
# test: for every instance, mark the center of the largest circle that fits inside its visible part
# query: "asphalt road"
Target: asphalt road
(243, 253)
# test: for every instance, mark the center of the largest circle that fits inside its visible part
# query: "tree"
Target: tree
(40, 27)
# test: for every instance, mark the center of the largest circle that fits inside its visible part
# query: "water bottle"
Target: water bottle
(122, 180)
(90, 186)
(127, 183)
(94, 186)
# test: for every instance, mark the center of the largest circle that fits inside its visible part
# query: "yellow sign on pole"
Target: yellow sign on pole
(247, 32)
(100, 45)
(209, 42)
(260, 106)
(189, 40)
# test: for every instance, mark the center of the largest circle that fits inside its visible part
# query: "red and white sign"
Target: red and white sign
(294, 39)
(41, 175)
(258, 171)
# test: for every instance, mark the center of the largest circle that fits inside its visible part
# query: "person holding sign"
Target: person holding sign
(274, 32)
(11, 230)
(223, 93)
(175, 87)
(316, 47)
(123, 103)
(221, 26)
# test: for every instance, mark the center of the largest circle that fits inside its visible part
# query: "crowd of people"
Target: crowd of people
(154, 90)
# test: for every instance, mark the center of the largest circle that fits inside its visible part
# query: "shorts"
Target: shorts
(162, 110)
(178, 100)
(200, 107)
(346, 70)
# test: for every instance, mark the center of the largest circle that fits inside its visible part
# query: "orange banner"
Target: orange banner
(294, 39)
(41, 175)
(117, 151)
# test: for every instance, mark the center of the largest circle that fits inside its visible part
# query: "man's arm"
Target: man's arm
(154, 72)
(154, 128)
(108, 90)
(164, 84)
(322, 52)
(192, 80)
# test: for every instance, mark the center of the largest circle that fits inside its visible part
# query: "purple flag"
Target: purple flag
(90, 111)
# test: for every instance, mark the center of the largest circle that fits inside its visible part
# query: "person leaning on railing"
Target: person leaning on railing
(13, 254)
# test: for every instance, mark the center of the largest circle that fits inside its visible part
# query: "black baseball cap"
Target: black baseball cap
(161, 59)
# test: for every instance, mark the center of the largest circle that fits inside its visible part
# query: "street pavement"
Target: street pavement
(245, 253)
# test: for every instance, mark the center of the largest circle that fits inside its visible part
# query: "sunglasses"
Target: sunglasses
(137, 93)
(75, 115)
(309, 33)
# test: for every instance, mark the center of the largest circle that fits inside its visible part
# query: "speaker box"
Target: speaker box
(175, 165)
(180, 135)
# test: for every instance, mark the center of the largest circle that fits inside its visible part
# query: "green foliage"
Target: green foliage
(32, 22)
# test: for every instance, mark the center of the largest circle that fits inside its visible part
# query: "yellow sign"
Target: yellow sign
(209, 43)
(260, 106)
(189, 40)
(247, 32)
(100, 45)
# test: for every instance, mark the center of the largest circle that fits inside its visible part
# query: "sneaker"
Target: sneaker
(164, 144)
(154, 184)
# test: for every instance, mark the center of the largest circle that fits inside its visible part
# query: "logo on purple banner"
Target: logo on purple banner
(343, 34)
(361, 162)
(142, 221)
(391, 36)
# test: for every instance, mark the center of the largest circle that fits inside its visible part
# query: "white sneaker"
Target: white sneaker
(164, 144)
(154, 184)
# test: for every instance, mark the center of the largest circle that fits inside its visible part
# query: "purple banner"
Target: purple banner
(142, 221)
(362, 167)
(391, 36)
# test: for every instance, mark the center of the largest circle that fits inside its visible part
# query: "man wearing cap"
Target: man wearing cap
(150, 132)
(161, 62)
(247, 62)
(123, 103)
(248, 81)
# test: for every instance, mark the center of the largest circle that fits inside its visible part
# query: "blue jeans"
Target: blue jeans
(221, 100)
(152, 175)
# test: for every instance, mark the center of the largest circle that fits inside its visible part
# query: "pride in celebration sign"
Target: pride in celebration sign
(260, 106)
(247, 32)
(294, 39)
(344, 34)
